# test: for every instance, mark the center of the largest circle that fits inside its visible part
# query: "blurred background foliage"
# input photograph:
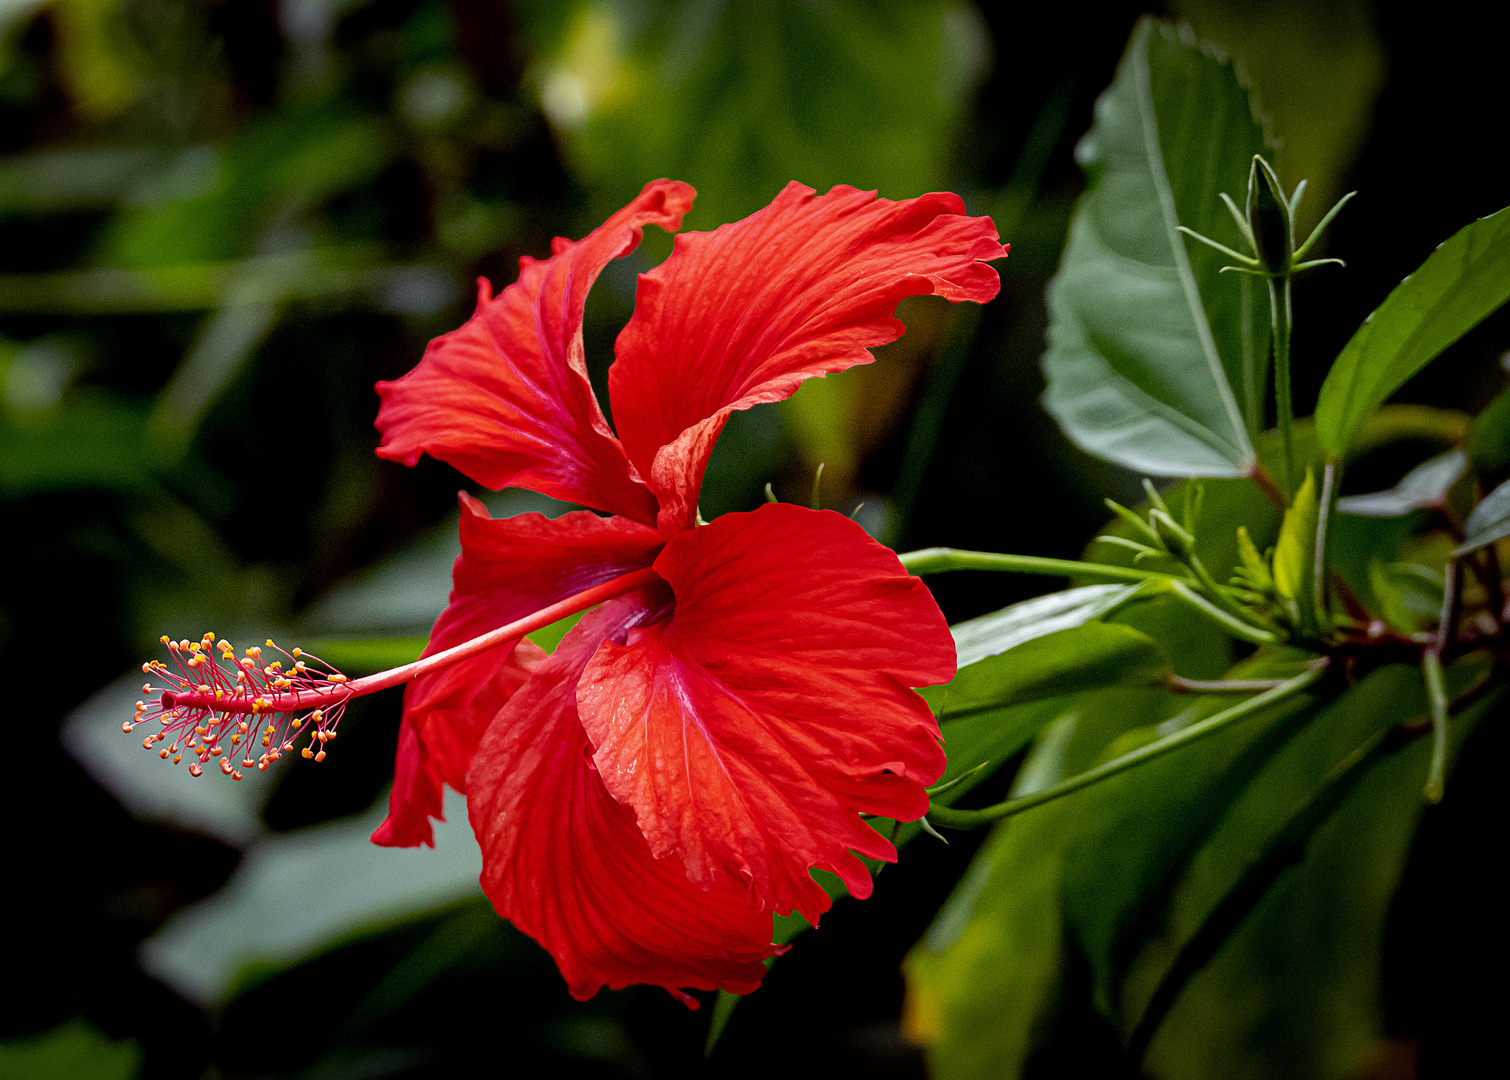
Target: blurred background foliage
(222, 220)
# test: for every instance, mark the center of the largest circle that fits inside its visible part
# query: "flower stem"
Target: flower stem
(1284, 405)
(940, 560)
(1436, 695)
(943, 560)
(969, 819)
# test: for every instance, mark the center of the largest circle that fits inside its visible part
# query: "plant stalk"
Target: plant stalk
(1284, 404)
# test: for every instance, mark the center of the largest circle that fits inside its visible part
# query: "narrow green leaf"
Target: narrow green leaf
(1294, 554)
(1424, 487)
(993, 634)
(1490, 521)
(1457, 286)
(1156, 360)
(1068, 661)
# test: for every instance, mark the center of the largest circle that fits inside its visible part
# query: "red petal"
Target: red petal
(745, 314)
(508, 568)
(565, 863)
(751, 728)
(506, 399)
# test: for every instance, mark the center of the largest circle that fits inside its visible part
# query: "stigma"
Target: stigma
(219, 710)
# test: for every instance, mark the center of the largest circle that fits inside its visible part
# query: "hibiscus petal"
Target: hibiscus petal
(751, 728)
(746, 313)
(509, 568)
(566, 864)
(506, 398)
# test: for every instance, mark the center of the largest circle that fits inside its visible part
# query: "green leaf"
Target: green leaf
(999, 704)
(1295, 990)
(1008, 628)
(1120, 876)
(73, 1051)
(323, 881)
(989, 970)
(1457, 286)
(1068, 661)
(1490, 521)
(1156, 360)
(1295, 553)
(1424, 487)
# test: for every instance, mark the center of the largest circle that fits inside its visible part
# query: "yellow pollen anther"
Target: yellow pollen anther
(298, 653)
(307, 752)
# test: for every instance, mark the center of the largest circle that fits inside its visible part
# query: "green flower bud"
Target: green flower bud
(1269, 218)
(1175, 539)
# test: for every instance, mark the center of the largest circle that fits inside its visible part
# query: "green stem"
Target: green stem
(1284, 405)
(1436, 695)
(944, 560)
(1325, 507)
(970, 819)
(940, 560)
(1236, 626)
(1214, 591)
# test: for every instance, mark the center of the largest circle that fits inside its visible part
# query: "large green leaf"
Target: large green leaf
(1457, 286)
(1156, 360)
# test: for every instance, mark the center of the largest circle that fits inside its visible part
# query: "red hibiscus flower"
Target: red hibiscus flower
(648, 795)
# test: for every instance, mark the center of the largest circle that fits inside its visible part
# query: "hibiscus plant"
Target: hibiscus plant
(1203, 761)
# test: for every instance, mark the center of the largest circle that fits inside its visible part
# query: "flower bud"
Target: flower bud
(1269, 218)
(1175, 539)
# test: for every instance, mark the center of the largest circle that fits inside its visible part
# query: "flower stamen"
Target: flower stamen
(204, 704)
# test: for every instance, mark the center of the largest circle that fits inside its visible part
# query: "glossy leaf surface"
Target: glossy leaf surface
(993, 634)
(1464, 280)
(1156, 360)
